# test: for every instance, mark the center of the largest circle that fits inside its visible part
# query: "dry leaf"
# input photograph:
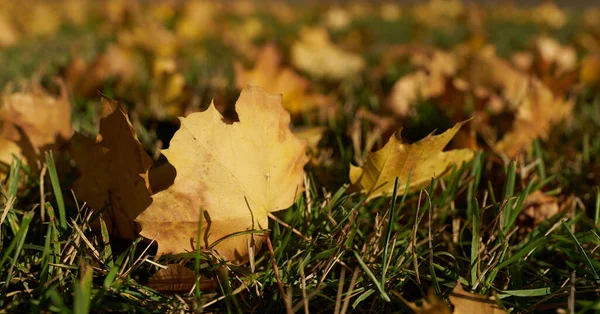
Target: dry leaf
(8, 32)
(535, 107)
(549, 14)
(390, 11)
(464, 303)
(424, 159)
(438, 13)
(317, 55)
(234, 174)
(468, 303)
(431, 304)
(523, 60)
(275, 79)
(589, 74)
(178, 279)
(167, 85)
(117, 62)
(114, 171)
(337, 18)
(151, 36)
(411, 88)
(312, 135)
(196, 20)
(39, 18)
(539, 207)
(435, 67)
(538, 111)
(552, 53)
(31, 122)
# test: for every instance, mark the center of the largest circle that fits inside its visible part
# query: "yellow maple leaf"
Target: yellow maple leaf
(114, 171)
(466, 303)
(317, 55)
(425, 159)
(234, 174)
(269, 74)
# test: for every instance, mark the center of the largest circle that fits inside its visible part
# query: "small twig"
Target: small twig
(288, 301)
(275, 269)
(350, 290)
(338, 299)
(303, 286)
(281, 222)
(85, 239)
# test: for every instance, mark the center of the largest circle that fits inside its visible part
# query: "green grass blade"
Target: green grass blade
(509, 191)
(525, 293)
(62, 216)
(522, 252)
(14, 176)
(475, 243)
(369, 273)
(17, 245)
(198, 255)
(83, 291)
(388, 233)
(585, 256)
(597, 211)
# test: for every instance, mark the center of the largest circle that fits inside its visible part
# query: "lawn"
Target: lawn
(434, 157)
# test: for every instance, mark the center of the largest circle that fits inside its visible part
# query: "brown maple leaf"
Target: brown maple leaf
(114, 170)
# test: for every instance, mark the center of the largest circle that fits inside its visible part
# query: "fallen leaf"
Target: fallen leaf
(435, 68)
(75, 11)
(464, 303)
(490, 72)
(312, 136)
(233, 174)
(535, 107)
(390, 11)
(539, 207)
(424, 159)
(549, 14)
(523, 60)
(8, 32)
(167, 85)
(538, 111)
(39, 18)
(113, 171)
(178, 279)
(317, 55)
(589, 73)
(117, 63)
(197, 19)
(150, 36)
(411, 88)
(275, 79)
(438, 13)
(431, 304)
(467, 303)
(553, 54)
(31, 122)
(337, 18)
